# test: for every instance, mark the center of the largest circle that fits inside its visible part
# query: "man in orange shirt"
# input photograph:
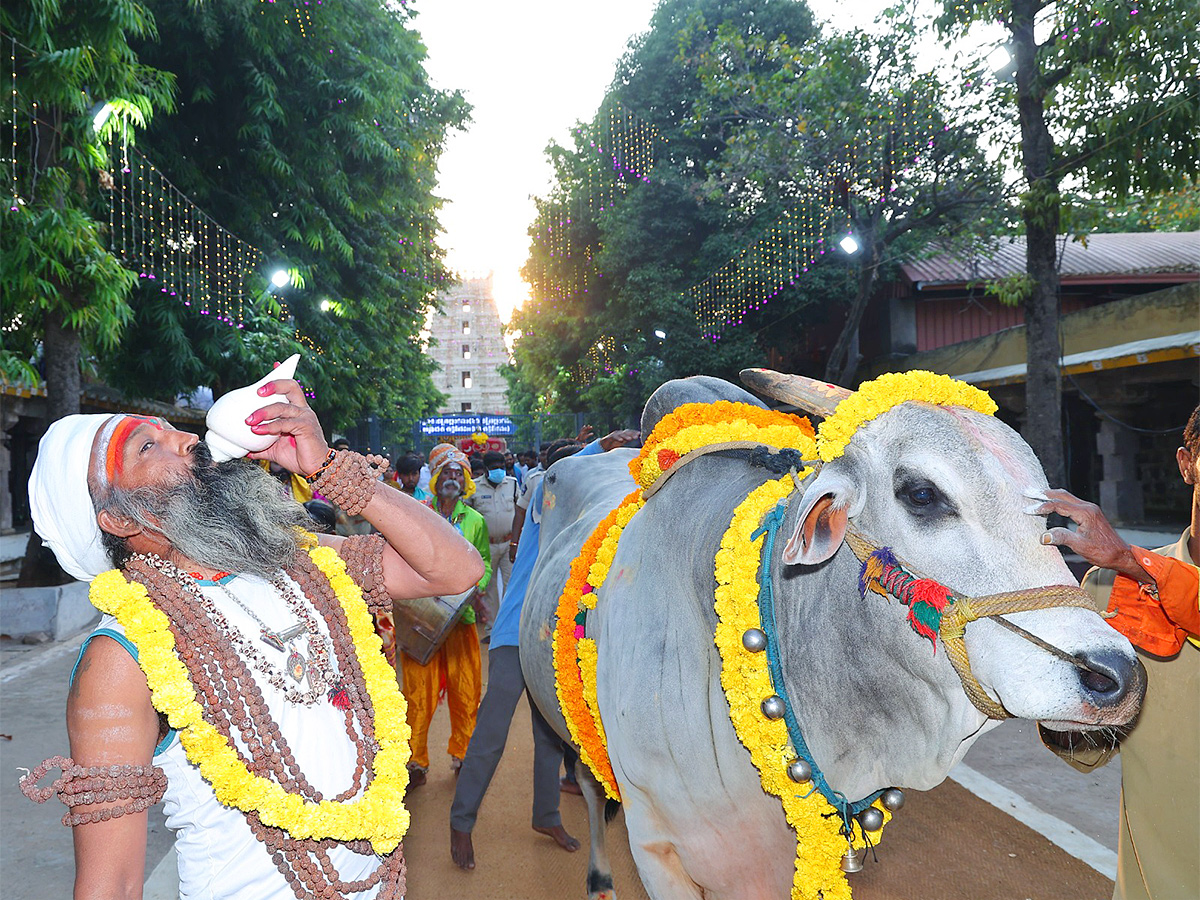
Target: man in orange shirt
(1154, 599)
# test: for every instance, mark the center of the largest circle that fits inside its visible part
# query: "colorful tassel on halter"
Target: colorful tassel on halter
(874, 569)
(926, 600)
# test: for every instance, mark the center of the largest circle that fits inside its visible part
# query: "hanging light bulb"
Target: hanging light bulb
(849, 244)
(280, 278)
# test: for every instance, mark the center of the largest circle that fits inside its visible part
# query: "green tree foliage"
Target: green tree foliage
(317, 142)
(1106, 98)
(64, 293)
(849, 116)
(632, 263)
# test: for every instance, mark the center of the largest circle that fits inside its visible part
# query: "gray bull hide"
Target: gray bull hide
(944, 488)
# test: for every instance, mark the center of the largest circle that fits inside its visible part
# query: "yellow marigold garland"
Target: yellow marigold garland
(695, 425)
(378, 815)
(747, 682)
(575, 673)
(876, 397)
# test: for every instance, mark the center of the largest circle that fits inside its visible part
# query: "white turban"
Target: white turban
(59, 499)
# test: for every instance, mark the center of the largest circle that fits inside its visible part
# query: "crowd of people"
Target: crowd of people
(236, 673)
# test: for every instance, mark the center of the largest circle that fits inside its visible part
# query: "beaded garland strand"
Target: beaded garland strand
(142, 786)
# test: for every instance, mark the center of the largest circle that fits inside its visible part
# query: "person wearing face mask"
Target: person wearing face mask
(495, 498)
(456, 665)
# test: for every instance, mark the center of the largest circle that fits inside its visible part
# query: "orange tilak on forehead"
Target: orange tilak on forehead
(114, 458)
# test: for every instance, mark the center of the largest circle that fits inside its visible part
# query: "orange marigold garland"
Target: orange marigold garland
(682, 431)
(576, 697)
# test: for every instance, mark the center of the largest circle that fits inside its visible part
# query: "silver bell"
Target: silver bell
(773, 708)
(800, 771)
(754, 640)
(851, 861)
(893, 799)
(871, 819)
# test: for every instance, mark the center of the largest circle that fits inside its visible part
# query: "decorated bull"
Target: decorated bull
(756, 635)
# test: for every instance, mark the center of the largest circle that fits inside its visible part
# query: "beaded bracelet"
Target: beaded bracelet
(348, 480)
(325, 465)
(142, 786)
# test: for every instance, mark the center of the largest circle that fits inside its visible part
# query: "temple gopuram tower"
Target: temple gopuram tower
(468, 343)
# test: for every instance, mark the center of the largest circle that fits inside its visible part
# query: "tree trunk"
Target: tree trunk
(1040, 212)
(64, 386)
(842, 366)
(64, 389)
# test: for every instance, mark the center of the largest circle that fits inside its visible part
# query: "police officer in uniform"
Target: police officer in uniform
(495, 499)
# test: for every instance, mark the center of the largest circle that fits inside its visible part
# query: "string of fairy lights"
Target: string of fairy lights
(297, 12)
(891, 143)
(154, 229)
(623, 148)
(887, 147)
(157, 232)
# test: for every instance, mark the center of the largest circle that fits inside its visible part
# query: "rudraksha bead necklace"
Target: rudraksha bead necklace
(348, 479)
(232, 699)
(315, 668)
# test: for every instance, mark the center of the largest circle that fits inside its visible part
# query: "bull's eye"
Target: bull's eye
(921, 497)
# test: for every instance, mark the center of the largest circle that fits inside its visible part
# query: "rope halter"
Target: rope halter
(935, 610)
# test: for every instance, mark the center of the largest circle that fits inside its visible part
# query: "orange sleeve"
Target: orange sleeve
(1157, 618)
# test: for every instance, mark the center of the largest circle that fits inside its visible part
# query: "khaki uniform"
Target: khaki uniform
(1159, 854)
(496, 503)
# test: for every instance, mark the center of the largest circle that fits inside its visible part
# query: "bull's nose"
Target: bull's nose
(1112, 678)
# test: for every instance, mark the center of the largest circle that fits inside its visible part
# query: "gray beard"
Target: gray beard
(228, 516)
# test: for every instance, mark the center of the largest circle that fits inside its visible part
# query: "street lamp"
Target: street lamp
(280, 278)
(100, 113)
(849, 244)
(998, 60)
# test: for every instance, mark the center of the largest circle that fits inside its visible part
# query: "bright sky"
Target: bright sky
(531, 70)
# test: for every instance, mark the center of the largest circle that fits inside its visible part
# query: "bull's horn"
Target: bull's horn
(808, 394)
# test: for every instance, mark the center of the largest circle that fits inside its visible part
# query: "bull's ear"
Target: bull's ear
(825, 509)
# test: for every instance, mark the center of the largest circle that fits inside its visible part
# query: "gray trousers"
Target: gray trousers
(504, 689)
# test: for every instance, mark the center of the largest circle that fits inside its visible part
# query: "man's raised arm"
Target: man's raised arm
(426, 555)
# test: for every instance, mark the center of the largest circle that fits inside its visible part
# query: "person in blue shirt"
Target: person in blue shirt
(505, 686)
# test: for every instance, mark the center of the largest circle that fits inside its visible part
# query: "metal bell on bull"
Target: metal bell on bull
(773, 707)
(754, 640)
(852, 860)
(871, 819)
(893, 799)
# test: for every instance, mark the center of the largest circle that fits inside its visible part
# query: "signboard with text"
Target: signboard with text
(467, 424)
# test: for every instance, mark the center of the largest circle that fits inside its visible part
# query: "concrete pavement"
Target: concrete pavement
(36, 857)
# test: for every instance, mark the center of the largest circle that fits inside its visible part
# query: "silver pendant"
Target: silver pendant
(296, 666)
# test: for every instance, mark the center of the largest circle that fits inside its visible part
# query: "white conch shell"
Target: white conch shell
(229, 437)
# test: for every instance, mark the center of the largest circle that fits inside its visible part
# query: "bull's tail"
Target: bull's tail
(611, 808)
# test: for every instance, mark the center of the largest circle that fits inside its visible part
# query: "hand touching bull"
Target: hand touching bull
(1096, 540)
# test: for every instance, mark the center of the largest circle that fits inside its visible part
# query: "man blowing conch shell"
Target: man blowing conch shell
(237, 673)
